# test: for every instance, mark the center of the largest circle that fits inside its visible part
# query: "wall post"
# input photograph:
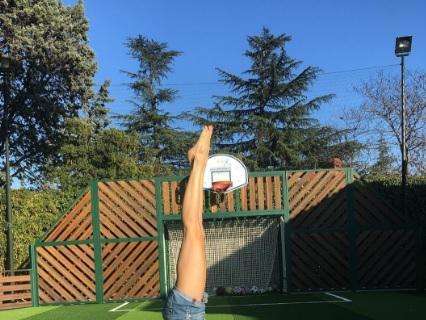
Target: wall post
(161, 238)
(351, 229)
(34, 276)
(97, 246)
(285, 236)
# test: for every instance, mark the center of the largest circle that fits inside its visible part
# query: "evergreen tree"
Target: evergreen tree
(267, 118)
(97, 112)
(46, 70)
(323, 143)
(87, 153)
(161, 144)
(90, 149)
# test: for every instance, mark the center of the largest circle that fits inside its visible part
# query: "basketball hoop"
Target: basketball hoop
(225, 173)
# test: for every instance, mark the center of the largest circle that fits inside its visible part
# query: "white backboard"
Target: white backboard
(224, 167)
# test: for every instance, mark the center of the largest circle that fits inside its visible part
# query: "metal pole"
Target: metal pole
(9, 236)
(404, 149)
(9, 223)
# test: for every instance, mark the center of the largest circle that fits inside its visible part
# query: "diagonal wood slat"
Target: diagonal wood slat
(311, 196)
(78, 215)
(387, 259)
(65, 275)
(371, 209)
(139, 271)
(320, 261)
(126, 209)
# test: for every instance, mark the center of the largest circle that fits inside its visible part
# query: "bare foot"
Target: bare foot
(200, 151)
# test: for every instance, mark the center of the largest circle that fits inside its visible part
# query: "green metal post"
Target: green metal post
(351, 229)
(161, 238)
(285, 228)
(94, 196)
(34, 276)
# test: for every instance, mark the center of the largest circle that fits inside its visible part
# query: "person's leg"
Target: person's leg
(191, 266)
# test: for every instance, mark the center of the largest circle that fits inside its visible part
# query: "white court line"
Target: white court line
(265, 304)
(338, 297)
(121, 305)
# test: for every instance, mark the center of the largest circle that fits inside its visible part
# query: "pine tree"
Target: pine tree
(267, 118)
(161, 144)
(87, 153)
(97, 111)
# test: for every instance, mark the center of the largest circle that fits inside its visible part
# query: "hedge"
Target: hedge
(33, 213)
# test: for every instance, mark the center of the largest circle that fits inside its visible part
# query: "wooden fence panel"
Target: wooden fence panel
(316, 199)
(372, 210)
(322, 249)
(319, 261)
(76, 224)
(131, 270)
(127, 209)
(387, 259)
(66, 273)
(261, 193)
(15, 291)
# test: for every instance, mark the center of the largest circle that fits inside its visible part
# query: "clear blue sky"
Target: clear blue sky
(333, 35)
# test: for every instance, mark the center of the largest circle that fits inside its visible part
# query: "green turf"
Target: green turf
(364, 306)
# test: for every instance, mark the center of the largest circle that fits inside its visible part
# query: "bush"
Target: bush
(33, 213)
(389, 187)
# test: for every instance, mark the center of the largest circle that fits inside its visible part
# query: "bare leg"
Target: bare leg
(191, 266)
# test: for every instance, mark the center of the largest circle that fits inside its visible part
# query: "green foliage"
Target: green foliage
(267, 118)
(389, 187)
(97, 112)
(47, 73)
(33, 214)
(162, 146)
(87, 153)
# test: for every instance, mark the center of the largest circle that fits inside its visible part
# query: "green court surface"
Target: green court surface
(342, 306)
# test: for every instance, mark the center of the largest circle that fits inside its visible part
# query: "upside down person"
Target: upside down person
(187, 299)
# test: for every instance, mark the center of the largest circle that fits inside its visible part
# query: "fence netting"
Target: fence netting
(240, 252)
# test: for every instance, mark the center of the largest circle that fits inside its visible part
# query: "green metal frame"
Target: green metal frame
(97, 245)
(286, 231)
(352, 230)
(34, 276)
(286, 236)
(161, 238)
(38, 243)
(238, 213)
(229, 215)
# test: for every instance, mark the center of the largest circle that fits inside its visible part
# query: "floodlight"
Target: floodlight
(403, 46)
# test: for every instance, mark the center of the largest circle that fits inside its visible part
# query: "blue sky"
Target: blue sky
(332, 35)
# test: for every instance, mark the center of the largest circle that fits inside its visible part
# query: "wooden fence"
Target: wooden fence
(111, 245)
(15, 290)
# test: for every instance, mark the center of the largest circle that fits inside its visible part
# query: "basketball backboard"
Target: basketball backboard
(225, 173)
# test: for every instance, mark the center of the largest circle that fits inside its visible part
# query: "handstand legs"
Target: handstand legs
(191, 266)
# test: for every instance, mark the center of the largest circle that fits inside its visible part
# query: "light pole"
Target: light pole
(5, 65)
(402, 49)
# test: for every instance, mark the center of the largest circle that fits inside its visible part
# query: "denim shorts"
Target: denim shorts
(180, 307)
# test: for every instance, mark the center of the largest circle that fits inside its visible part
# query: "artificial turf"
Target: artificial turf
(363, 306)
